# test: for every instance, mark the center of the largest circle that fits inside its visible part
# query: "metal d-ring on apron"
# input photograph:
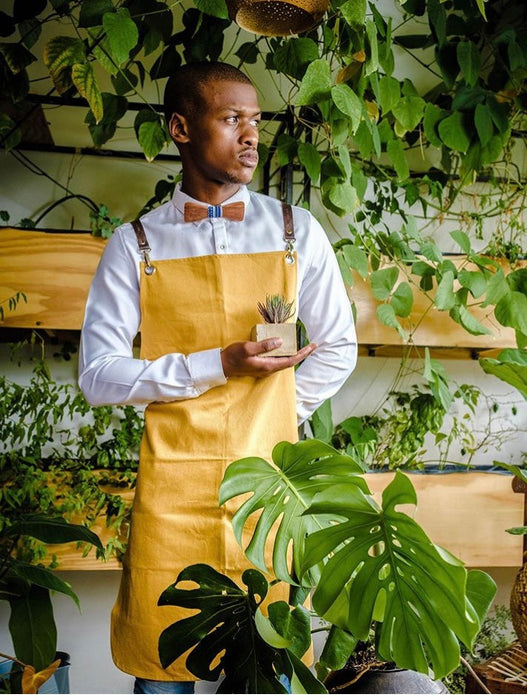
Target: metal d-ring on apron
(188, 305)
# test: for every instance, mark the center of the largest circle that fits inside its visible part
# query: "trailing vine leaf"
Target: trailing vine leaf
(383, 281)
(294, 55)
(386, 315)
(395, 150)
(60, 54)
(92, 12)
(84, 80)
(114, 108)
(40, 576)
(152, 138)
(453, 134)
(510, 366)
(284, 491)
(216, 8)
(511, 311)
(408, 111)
(402, 300)
(380, 565)
(224, 625)
(122, 33)
(16, 56)
(469, 62)
(316, 83)
(354, 12)
(309, 157)
(462, 315)
(348, 103)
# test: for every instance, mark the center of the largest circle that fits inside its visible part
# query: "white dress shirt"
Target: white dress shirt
(110, 374)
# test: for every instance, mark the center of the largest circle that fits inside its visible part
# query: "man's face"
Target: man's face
(223, 133)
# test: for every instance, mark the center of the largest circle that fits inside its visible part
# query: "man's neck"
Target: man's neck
(211, 193)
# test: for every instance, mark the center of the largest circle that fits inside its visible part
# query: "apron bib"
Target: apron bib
(189, 305)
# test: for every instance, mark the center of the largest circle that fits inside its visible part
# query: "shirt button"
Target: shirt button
(222, 246)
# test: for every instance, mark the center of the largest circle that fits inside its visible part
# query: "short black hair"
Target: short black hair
(183, 91)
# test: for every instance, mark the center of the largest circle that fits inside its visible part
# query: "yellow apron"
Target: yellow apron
(188, 305)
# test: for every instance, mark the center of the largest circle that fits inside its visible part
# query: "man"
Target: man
(191, 286)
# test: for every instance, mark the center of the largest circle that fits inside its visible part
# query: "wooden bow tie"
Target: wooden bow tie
(197, 212)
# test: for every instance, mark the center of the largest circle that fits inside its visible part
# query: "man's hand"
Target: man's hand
(245, 359)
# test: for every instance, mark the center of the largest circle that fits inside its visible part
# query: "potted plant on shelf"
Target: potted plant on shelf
(26, 587)
(368, 567)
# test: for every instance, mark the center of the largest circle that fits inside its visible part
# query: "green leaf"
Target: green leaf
(354, 12)
(114, 108)
(223, 626)
(483, 123)
(52, 530)
(16, 56)
(294, 55)
(462, 315)
(152, 138)
(474, 281)
(497, 287)
(32, 627)
(348, 103)
(343, 196)
(216, 8)
(30, 31)
(356, 259)
(511, 311)
(383, 554)
(337, 649)
(453, 133)
(44, 578)
(345, 161)
(301, 471)
(402, 300)
(463, 241)
(287, 149)
(372, 62)
(84, 80)
(396, 152)
(285, 627)
(510, 366)
(321, 422)
(60, 54)
(383, 281)
(10, 135)
(92, 11)
(248, 52)
(122, 34)
(432, 116)
(469, 62)
(408, 111)
(303, 681)
(344, 268)
(390, 93)
(309, 157)
(445, 298)
(316, 83)
(386, 315)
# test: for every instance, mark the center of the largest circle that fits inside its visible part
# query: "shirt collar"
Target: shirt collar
(179, 198)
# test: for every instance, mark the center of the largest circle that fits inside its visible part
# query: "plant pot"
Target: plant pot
(286, 331)
(59, 683)
(392, 681)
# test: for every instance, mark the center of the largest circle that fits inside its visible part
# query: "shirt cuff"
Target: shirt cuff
(206, 370)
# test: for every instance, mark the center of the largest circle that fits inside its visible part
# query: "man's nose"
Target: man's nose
(250, 135)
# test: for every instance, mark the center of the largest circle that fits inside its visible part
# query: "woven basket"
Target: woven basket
(277, 17)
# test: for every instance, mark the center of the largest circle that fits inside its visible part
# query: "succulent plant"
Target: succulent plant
(276, 308)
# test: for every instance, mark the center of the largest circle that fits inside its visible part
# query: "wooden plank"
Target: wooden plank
(466, 513)
(432, 327)
(53, 270)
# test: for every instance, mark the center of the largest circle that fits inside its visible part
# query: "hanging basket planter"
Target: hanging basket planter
(277, 17)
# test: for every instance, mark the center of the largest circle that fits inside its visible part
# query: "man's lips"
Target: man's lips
(249, 158)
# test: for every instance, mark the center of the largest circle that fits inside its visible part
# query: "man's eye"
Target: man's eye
(232, 120)
(255, 123)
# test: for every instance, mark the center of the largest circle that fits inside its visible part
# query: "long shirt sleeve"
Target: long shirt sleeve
(109, 372)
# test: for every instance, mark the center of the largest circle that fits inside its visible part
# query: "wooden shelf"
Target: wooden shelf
(53, 270)
(465, 512)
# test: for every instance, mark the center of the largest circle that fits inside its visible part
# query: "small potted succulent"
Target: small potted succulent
(276, 312)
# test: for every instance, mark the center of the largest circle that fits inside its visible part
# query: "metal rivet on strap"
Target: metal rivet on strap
(149, 269)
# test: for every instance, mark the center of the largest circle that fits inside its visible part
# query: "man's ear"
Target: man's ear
(178, 128)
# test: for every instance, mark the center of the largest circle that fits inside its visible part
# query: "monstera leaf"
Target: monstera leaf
(381, 567)
(285, 491)
(227, 625)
